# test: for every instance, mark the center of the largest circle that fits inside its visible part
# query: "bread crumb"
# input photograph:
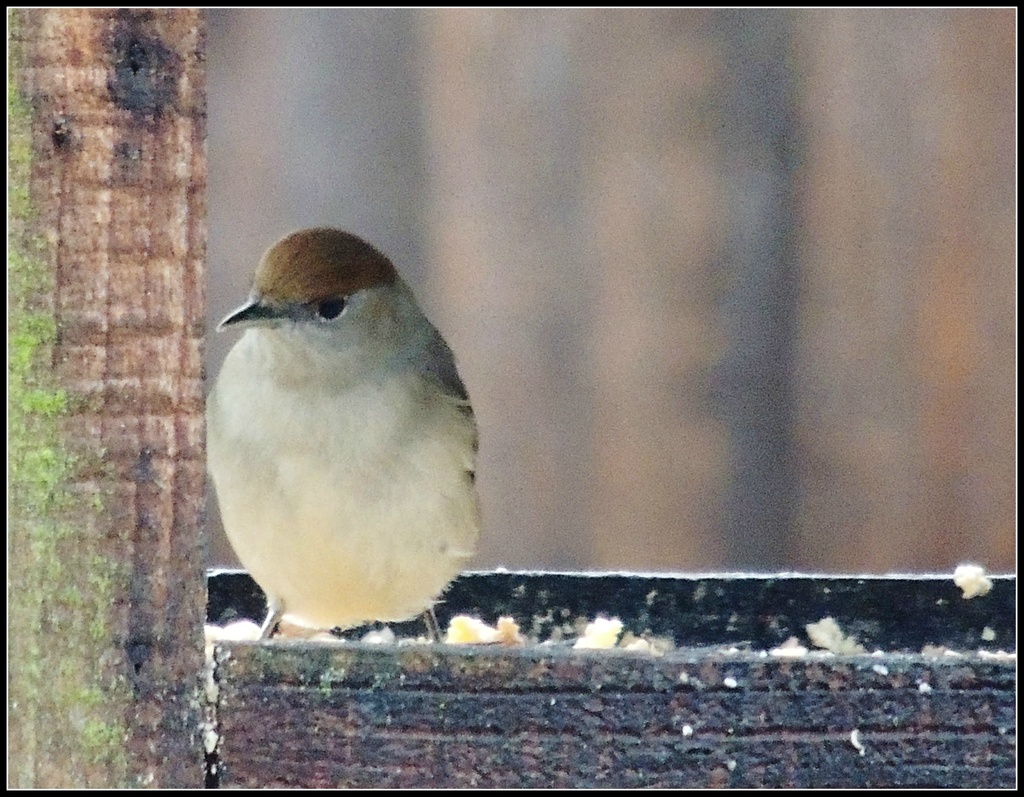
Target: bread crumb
(791, 648)
(972, 581)
(938, 650)
(653, 645)
(466, 630)
(380, 636)
(240, 629)
(508, 632)
(245, 630)
(827, 634)
(855, 741)
(601, 633)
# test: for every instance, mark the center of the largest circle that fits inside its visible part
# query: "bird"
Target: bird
(341, 442)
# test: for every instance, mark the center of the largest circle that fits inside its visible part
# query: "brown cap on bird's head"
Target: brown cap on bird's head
(320, 263)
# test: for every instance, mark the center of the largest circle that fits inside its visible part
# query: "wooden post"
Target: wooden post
(107, 282)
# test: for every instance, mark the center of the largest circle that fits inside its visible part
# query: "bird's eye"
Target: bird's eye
(329, 309)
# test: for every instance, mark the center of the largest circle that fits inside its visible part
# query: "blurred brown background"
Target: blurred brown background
(729, 289)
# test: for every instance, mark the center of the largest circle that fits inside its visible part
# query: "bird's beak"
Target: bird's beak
(253, 313)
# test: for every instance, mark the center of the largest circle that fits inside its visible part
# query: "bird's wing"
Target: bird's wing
(440, 364)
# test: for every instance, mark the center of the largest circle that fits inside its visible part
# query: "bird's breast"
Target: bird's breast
(346, 505)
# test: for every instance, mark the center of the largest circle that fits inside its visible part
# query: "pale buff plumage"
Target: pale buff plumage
(342, 449)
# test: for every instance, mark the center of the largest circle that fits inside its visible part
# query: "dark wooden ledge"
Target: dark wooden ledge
(718, 710)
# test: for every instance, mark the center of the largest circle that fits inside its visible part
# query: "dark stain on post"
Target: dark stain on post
(60, 133)
(145, 71)
(128, 162)
(144, 471)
